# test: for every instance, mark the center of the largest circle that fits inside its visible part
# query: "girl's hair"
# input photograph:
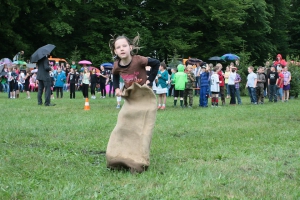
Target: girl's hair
(163, 64)
(134, 43)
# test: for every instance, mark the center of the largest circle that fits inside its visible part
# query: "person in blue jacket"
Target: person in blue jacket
(204, 84)
(60, 79)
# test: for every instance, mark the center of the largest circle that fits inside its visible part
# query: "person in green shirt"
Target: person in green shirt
(180, 79)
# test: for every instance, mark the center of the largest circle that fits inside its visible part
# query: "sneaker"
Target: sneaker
(163, 107)
(28, 97)
(158, 107)
(104, 97)
(118, 107)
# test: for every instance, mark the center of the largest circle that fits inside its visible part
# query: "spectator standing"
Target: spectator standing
(261, 79)
(286, 83)
(231, 84)
(215, 87)
(280, 84)
(93, 83)
(272, 82)
(103, 80)
(180, 78)
(72, 81)
(163, 77)
(237, 81)
(85, 82)
(188, 92)
(60, 79)
(251, 84)
(204, 84)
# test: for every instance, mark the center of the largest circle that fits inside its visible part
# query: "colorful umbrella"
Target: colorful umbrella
(85, 62)
(230, 56)
(215, 58)
(6, 61)
(107, 65)
(19, 62)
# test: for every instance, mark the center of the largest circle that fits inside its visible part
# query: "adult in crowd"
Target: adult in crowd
(44, 79)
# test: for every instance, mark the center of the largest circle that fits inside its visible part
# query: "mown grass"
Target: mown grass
(233, 152)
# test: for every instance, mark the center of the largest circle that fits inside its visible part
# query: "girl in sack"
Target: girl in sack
(129, 142)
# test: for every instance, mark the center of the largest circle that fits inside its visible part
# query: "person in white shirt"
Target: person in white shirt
(215, 87)
(251, 85)
(231, 84)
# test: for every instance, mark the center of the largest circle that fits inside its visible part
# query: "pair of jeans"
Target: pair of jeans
(280, 93)
(252, 94)
(273, 93)
(204, 92)
(238, 96)
(232, 94)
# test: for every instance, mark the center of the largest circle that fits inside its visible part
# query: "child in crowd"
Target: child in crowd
(59, 82)
(261, 79)
(188, 92)
(237, 81)
(163, 77)
(272, 82)
(26, 84)
(221, 83)
(172, 83)
(73, 66)
(93, 79)
(180, 78)
(215, 87)
(251, 84)
(204, 92)
(280, 84)
(71, 81)
(231, 84)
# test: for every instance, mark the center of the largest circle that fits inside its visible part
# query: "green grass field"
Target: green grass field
(233, 152)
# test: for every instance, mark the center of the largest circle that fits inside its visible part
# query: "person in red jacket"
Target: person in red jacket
(221, 83)
(279, 61)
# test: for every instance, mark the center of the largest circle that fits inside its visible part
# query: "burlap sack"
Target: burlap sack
(129, 142)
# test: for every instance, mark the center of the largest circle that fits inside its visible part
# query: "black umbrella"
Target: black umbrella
(41, 52)
(193, 61)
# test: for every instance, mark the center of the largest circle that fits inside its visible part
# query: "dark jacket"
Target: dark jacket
(43, 70)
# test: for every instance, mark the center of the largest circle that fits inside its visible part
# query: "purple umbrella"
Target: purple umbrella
(6, 61)
(85, 62)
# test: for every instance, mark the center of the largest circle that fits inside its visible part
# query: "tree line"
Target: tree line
(259, 28)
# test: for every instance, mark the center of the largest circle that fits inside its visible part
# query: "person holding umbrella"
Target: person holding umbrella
(41, 57)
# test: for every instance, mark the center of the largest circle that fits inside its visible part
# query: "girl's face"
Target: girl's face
(102, 68)
(122, 48)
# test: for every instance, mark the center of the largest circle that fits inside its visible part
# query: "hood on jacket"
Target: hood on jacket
(280, 56)
(180, 68)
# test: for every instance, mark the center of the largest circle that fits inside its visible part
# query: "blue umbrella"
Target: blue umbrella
(107, 65)
(230, 56)
(215, 58)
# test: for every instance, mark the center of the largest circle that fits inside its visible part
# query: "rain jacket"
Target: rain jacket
(281, 61)
(180, 78)
(60, 79)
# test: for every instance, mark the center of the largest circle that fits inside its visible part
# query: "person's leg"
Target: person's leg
(287, 95)
(57, 92)
(232, 94)
(271, 93)
(164, 99)
(213, 100)
(201, 97)
(47, 85)
(61, 93)
(181, 92)
(159, 101)
(254, 95)
(176, 93)
(238, 96)
(191, 97)
(40, 92)
(262, 95)
(185, 98)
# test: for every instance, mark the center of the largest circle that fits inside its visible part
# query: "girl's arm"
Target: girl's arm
(154, 69)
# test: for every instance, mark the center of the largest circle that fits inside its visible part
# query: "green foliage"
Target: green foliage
(174, 59)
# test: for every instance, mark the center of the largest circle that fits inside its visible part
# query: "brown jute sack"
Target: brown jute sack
(129, 142)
